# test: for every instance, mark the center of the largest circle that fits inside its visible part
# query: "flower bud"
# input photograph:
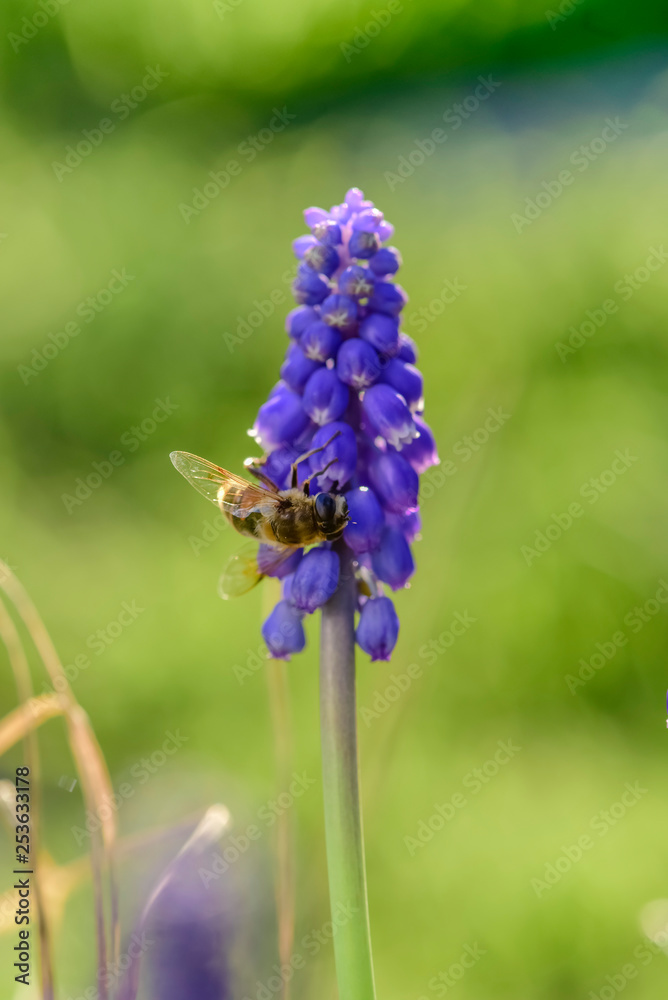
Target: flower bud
(365, 527)
(340, 311)
(297, 368)
(368, 221)
(392, 560)
(314, 216)
(388, 414)
(356, 282)
(319, 342)
(328, 232)
(378, 628)
(381, 331)
(315, 580)
(322, 259)
(298, 319)
(283, 631)
(406, 380)
(363, 245)
(303, 244)
(281, 419)
(388, 298)
(325, 396)
(308, 287)
(421, 452)
(343, 448)
(394, 482)
(357, 363)
(387, 260)
(407, 349)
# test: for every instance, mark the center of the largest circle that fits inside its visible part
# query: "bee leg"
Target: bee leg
(307, 482)
(302, 458)
(254, 471)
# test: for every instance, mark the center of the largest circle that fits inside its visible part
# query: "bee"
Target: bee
(286, 520)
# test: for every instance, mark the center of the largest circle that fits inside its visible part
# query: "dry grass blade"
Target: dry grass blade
(22, 720)
(95, 781)
(27, 727)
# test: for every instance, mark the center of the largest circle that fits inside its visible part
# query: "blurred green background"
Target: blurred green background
(531, 276)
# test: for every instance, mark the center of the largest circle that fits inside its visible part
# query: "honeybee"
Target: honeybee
(284, 519)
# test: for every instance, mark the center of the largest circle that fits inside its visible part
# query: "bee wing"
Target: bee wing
(241, 572)
(208, 479)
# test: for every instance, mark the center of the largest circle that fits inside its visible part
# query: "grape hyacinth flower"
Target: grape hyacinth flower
(350, 400)
(349, 370)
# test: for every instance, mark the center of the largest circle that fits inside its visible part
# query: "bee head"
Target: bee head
(331, 514)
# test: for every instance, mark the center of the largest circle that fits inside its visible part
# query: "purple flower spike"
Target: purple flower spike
(347, 370)
(388, 298)
(325, 396)
(382, 332)
(386, 261)
(298, 319)
(297, 368)
(392, 561)
(363, 531)
(363, 245)
(342, 451)
(357, 363)
(395, 482)
(322, 259)
(407, 381)
(302, 245)
(340, 311)
(421, 452)
(308, 287)
(407, 349)
(283, 631)
(319, 342)
(378, 628)
(316, 579)
(388, 415)
(281, 419)
(356, 282)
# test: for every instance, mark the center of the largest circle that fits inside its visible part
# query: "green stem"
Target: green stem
(343, 823)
